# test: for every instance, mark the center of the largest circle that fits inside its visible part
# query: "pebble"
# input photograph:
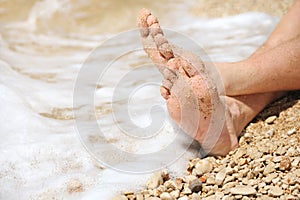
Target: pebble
(270, 177)
(155, 180)
(210, 180)
(243, 190)
(240, 152)
(270, 133)
(270, 119)
(170, 185)
(285, 164)
(269, 169)
(277, 159)
(220, 176)
(183, 198)
(195, 185)
(275, 191)
(175, 194)
(291, 132)
(165, 196)
(202, 167)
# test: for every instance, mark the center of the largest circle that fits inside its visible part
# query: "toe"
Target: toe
(169, 75)
(189, 70)
(165, 93)
(142, 22)
(167, 84)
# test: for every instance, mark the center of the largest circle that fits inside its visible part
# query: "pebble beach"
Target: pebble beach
(265, 166)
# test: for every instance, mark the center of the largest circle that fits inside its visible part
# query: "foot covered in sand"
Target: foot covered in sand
(191, 98)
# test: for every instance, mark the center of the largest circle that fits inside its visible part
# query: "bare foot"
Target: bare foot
(191, 100)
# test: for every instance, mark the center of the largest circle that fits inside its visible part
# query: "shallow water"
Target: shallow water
(45, 45)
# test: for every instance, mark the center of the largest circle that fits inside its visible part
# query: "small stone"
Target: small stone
(248, 135)
(189, 178)
(165, 196)
(195, 196)
(175, 194)
(243, 190)
(203, 179)
(170, 185)
(165, 175)
(220, 177)
(285, 164)
(202, 167)
(291, 132)
(219, 195)
(155, 180)
(183, 198)
(270, 119)
(195, 185)
(270, 133)
(186, 190)
(240, 152)
(296, 161)
(291, 197)
(229, 179)
(275, 191)
(269, 169)
(270, 177)
(297, 172)
(275, 180)
(277, 159)
(242, 161)
(131, 197)
(210, 180)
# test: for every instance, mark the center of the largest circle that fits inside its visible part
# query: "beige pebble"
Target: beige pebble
(165, 196)
(210, 180)
(220, 176)
(183, 198)
(243, 190)
(296, 162)
(277, 159)
(270, 119)
(170, 184)
(270, 133)
(269, 169)
(202, 167)
(270, 177)
(291, 132)
(155, 180)
(195, 196)
(275, 191)
(175, 194)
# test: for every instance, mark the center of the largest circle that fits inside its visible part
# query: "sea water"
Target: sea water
(81, 114)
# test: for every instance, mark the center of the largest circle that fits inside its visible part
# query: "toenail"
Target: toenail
(151, 20)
